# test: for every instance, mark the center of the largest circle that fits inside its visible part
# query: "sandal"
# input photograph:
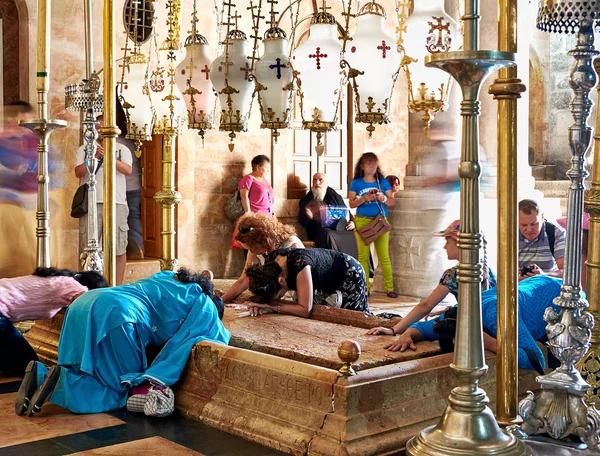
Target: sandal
(392, 294)
(27, 388)
(44, 391)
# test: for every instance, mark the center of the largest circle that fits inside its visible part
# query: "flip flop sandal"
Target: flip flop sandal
(44, 391)
(27, 388)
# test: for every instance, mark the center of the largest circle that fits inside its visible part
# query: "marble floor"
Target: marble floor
(56, 431)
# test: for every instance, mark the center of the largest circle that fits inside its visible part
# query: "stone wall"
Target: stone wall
(206, 175)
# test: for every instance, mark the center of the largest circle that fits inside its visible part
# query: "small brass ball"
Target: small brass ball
(349, 351)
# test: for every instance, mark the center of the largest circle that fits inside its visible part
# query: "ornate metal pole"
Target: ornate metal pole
(87, 98)
(506, 89)
(109, 133)
(43, 128)
(468, 426)
(589, 366)
(560, 409)
(168, 196)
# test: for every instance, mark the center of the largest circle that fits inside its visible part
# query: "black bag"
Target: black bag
(446, 329)
(79, 206)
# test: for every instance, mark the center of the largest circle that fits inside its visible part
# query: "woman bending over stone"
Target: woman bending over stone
(102, 346)
(260, 234)
(36, 297)
(448, 285)
(315, 274)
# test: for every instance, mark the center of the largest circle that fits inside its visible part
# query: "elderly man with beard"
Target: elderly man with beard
(339, 238)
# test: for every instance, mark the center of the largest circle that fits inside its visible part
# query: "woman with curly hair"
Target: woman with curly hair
(260, 234)
(311, 273)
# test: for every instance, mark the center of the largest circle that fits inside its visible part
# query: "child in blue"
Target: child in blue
(371, 193)
(102, 346)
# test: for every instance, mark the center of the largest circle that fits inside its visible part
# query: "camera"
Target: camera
(526, 270)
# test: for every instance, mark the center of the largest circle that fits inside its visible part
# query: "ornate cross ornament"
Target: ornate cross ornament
(318, 56)
(206, 71)
(443, 41)
(279, 66)
(246, 69)
(383, 48)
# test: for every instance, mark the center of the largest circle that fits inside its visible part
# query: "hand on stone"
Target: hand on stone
(350, 225)
(256, 309)
(380, 330)
(219, 292)
(402, 343)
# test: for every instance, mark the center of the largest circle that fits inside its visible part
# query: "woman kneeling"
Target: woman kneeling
(317, 275)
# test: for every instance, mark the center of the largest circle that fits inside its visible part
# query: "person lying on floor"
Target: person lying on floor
(536, 294)
(102, 346)
(317, 275)
(36, 297)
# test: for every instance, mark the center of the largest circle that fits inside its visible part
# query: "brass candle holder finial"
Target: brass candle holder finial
(348, 352)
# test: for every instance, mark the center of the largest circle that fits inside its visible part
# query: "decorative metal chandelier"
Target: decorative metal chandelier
(375, 60)
(274, 78)
(134, 93)
(231, 77)
(166, 97)
(193, 79)
(320, 79)
(431, 31)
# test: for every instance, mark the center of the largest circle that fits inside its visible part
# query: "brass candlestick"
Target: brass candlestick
(468, 426)
(43, 128)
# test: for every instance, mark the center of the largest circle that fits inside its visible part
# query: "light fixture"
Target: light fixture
(193, 79)
(274, 79)
(320, 78)
(374, 62)
(430, 31)
(230, 74)
(134, 94)
(171, 115)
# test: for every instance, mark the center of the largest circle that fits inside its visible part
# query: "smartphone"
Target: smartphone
(373, 191)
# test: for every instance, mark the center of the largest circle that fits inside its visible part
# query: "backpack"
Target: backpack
(550, 229)
(233, 206)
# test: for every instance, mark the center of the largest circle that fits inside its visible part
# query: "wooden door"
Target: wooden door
(151, 183)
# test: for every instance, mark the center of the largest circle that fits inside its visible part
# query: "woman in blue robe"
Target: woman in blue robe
(102, 346)
(536, 294)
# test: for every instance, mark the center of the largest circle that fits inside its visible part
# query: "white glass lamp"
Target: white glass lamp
(136, 102)
(231, 77)
(317, 62)
(274, 76)
(193, 80)
(429, 30)
(374, 56)
(166, 97)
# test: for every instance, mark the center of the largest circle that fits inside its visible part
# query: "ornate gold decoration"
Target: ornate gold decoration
(372, 8)
(348, 352)
(435, 104)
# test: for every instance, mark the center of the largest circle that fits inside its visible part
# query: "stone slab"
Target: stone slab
(314, 342)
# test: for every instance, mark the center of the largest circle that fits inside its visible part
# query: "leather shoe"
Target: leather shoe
(27, 388)
(44, 391)
(392, 294)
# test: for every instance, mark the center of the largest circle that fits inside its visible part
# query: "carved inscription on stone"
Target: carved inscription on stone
(276, 384)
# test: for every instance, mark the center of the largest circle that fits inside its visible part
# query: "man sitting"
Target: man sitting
(340, 235)
(541, 243)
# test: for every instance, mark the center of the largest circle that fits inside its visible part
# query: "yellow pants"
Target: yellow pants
(382, 244)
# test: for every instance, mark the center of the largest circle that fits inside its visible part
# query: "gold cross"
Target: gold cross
(325, 7)
(235, 17)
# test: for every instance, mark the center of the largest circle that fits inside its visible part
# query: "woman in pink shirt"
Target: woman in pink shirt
(36, 297)
(255, 191)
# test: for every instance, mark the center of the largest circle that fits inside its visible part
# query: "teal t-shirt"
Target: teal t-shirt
(369, 208)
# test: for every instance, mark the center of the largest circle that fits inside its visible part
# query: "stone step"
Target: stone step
(139, 269)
